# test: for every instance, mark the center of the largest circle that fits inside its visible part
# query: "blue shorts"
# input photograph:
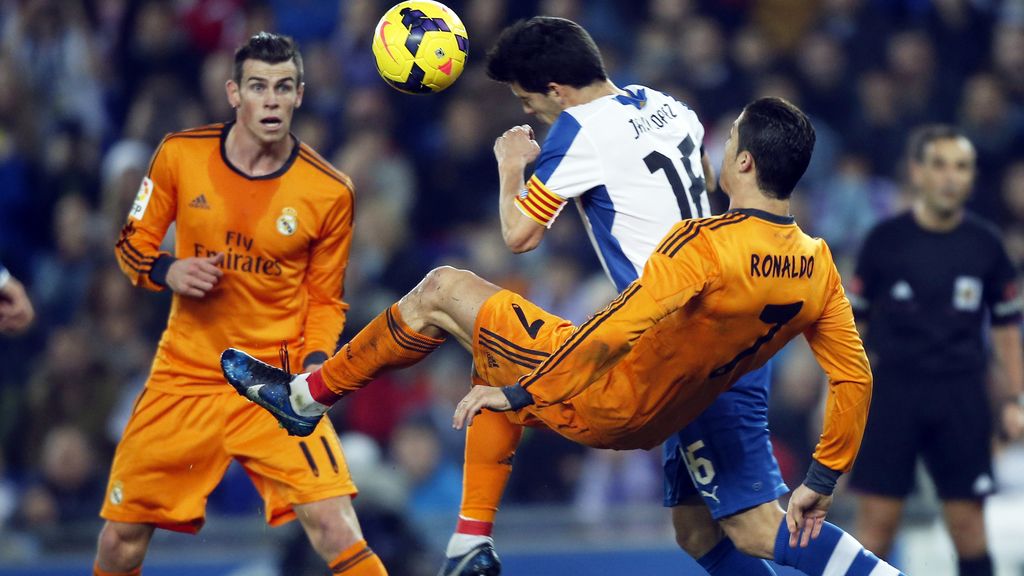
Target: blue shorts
(725, 455)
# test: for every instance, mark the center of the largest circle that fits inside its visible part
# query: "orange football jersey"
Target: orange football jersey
(718, 298)
(285, 239)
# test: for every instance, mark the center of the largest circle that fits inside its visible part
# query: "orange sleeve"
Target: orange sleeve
(670, 279)
(840, 352)
(325, 280)
(138, 248)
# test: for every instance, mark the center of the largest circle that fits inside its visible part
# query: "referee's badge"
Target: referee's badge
(288, 221)
(967, 293)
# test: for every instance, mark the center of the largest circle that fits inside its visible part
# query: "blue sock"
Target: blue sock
(832, 552)
(724, 559)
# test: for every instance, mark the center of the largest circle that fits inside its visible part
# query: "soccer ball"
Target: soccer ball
(420, 46)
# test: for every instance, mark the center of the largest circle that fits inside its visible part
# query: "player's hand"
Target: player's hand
(195, 277)
(16, 313)
(805, 515)
(516, 145)
(479, 397)
(1013, 421)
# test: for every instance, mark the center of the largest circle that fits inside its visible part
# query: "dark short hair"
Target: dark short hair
(922, 136)
(780, 137)
(543, 49)
(268, 47)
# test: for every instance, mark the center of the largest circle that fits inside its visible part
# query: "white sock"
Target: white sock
(302, 401)
(460, 544)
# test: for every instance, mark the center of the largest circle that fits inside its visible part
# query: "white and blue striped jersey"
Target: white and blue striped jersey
(633, 165)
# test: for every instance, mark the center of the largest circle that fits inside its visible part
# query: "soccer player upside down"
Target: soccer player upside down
(636, 372)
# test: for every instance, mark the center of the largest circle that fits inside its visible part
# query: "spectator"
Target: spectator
(69, 483)
(16, 312)
(435, 483)
(61, 277)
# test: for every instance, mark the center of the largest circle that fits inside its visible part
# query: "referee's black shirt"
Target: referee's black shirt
(925, 295)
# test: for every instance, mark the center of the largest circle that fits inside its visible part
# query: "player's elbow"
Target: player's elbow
(519, 246)
(523, 240)
(127, 270)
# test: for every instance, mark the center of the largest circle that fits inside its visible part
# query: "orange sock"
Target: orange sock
(386, 343)
(96, 571)
(490, 444)
(358, 560)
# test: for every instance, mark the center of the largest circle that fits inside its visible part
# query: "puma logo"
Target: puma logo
(712, 495)
(531, 329)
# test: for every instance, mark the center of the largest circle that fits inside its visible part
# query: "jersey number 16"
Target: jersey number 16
(657, 161)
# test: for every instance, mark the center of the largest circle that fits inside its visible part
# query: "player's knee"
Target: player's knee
(438, 292)
(754, 541)
(754, 531)
(437, 287)
(123, 546)
(331, 526)
(446, 279)
(698, 540)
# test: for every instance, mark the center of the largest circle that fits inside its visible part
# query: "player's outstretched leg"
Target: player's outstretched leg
(445, 303)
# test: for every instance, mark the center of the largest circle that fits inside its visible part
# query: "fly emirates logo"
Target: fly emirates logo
(238, 256)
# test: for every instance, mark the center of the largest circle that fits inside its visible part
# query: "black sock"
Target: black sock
(980, 566)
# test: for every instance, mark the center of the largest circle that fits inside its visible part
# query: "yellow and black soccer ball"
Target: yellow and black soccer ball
(420, 46)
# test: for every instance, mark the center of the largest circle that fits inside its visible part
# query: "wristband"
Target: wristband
(158, 273)
(821, 478)
(517, 396)
(315, 357)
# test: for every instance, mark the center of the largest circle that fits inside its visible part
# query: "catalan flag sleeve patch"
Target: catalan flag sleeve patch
(538, 203)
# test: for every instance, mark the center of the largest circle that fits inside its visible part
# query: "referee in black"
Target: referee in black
(935, 292)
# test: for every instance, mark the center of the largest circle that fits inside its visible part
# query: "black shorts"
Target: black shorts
(945, 420)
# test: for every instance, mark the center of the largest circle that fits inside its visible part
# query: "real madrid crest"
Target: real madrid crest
(288, 221)
(117, 492)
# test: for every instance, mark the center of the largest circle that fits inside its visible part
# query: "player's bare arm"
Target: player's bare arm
(195, 277)
(1006, 343)
(514, 150)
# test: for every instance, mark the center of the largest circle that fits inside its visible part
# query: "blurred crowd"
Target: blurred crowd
(88, 88)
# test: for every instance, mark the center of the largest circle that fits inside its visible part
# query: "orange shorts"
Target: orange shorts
(176, 449)
(511, 337)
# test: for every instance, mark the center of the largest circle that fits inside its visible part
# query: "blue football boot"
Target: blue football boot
(267, 386)
(480, 561)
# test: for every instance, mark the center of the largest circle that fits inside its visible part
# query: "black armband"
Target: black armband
(315, 357)
(158, 273)
(821, 478)
(517, 396)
